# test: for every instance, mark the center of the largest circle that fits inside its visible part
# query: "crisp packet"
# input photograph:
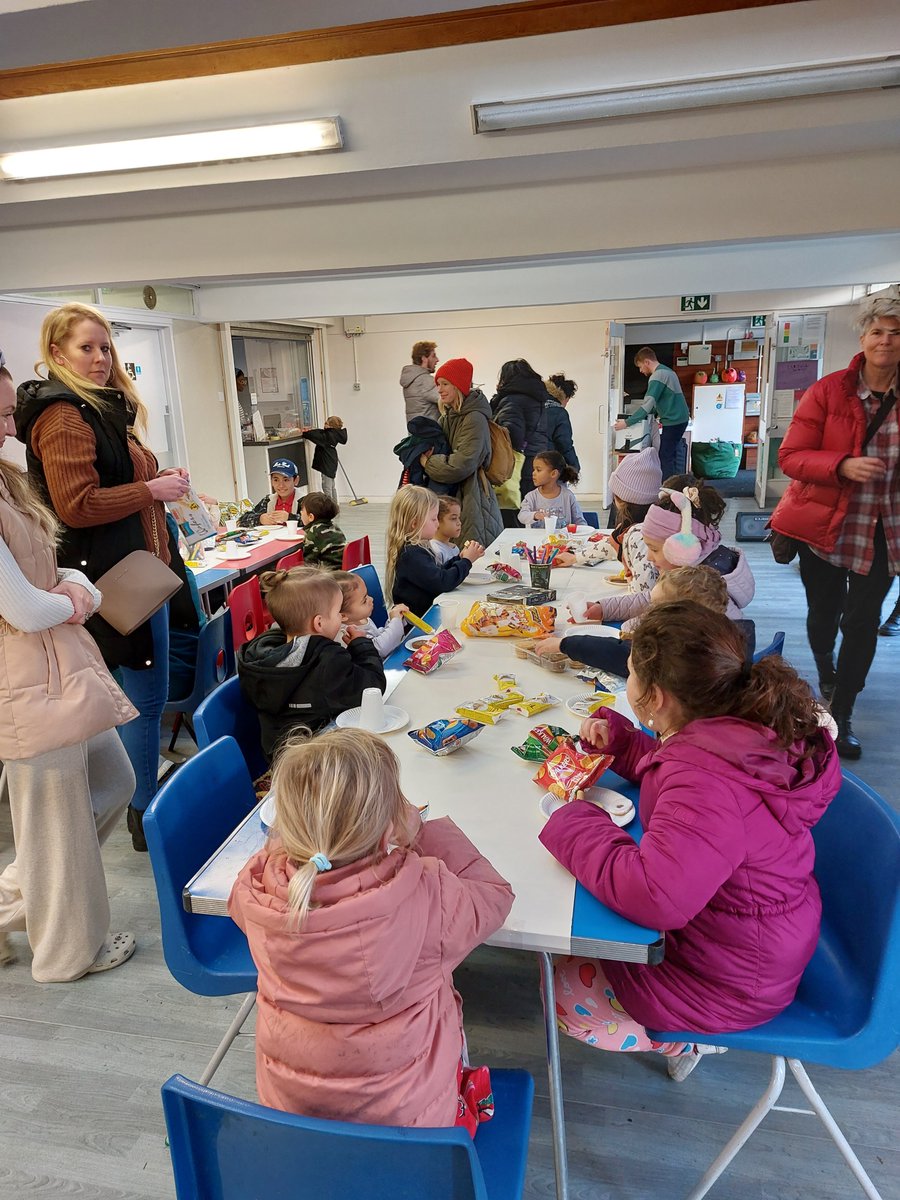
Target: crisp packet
(602, 680)
(488, 619)
(506, 682)
(490, 708)
(542, 741)
(569, 771)
(535, 704)
(445, 735)
(434, 653)
(504, 573)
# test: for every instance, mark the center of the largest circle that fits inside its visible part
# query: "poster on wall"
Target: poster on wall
(796, 374)
(268, 379)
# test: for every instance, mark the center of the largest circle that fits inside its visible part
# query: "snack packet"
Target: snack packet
(542, 741)
(569, 771)
(445, 735)
(506, 682)
(536, 704)
(504, 573)
(435, 652)
(602, 680)
(488, 619)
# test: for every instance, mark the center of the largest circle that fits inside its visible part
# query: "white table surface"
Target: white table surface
(486, 789)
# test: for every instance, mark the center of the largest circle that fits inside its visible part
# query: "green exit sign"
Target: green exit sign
(758, 322)
(695, 303)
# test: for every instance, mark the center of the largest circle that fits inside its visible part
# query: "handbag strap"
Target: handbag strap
(887, 403)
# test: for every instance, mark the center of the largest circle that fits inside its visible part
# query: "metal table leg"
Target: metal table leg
(554, 1073)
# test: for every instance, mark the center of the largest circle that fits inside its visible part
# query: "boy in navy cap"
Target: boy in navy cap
(283, 503)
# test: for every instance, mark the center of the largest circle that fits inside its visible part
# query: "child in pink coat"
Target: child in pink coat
(356, 914)
(731, 787)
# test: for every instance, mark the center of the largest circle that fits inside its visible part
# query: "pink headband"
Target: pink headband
(662, 524)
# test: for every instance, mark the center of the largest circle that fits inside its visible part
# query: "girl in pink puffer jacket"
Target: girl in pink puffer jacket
(356, 914)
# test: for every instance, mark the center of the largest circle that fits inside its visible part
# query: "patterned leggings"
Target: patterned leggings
(587, 1010)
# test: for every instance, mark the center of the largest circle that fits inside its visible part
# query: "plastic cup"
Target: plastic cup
(577, 606)
(233, 550)
(550, 524)
(231, 525)
(449, 609)
(371, 712)
(292, 527)
(571, 528)
(540, 575)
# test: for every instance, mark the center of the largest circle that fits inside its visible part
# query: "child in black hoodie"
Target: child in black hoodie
(297, 675)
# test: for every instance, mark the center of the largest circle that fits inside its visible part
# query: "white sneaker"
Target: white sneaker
(681, 1065)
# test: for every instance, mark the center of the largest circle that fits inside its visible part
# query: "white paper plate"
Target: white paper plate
(578, 706)
(267, 811)
(227, 558)
(591, 629)
(413, 643)
(479, 577)
(619, 808)
(284, 536)
(394, 719)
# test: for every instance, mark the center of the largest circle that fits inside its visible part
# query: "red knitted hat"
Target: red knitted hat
(459, 372)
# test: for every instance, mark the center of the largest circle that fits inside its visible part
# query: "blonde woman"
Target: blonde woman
(84, 428)
(465, 413)
(68, 774)
(413, 577)
(356, 915)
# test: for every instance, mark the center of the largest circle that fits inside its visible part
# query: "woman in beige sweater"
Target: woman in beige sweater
(68, 775)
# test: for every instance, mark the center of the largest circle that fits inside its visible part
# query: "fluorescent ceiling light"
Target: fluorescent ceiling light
(687, 94)
(182, 149)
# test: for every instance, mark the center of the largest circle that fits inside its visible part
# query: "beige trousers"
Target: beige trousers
(64, 806)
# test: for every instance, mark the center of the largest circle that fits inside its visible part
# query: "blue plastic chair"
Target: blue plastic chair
(776, 646)
(224, 1148)
(591, 518)
(847, 1010)
(215, 662)
(373, 587)
(188, 819)
(225, 713)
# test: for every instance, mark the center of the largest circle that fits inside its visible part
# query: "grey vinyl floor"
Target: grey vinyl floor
(81, 1064)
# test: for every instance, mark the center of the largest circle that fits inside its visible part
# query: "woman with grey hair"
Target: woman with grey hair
(842, 452)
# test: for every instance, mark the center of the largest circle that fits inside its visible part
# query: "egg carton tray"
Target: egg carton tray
(557, 663)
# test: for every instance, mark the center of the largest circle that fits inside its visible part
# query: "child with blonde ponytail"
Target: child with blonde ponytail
(412, 576)
(732, 784)
(356, 914)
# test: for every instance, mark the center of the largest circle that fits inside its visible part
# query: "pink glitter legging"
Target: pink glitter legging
(587, 1010)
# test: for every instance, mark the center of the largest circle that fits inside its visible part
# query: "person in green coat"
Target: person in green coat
(464, 419)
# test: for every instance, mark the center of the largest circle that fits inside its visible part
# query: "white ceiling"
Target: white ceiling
(408, 136)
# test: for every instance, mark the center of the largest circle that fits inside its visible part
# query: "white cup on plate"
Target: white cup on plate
(371, 711)
(231, 525)
(577, 606)
(233, 550)
(291, 527)
(550, 524)
(448, 610)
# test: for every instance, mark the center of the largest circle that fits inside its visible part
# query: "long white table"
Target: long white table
(489, 793)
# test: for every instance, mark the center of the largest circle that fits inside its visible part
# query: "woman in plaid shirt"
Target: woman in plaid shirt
(842, 450)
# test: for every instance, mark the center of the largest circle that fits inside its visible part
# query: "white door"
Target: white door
(611, 405)
(766, 388)
(142, 352)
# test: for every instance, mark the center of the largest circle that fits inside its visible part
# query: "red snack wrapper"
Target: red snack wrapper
(504, 573)
(568, 771)
(434, 653)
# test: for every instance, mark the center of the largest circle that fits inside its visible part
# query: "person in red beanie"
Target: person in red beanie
(465, 413)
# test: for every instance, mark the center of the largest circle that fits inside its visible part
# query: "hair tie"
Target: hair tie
(320, 862)
(682, 549)
(693, 494)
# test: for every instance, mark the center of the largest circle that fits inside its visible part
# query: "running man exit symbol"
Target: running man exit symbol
(695, 303)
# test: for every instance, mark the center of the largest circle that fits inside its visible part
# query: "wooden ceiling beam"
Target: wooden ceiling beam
(466, 27)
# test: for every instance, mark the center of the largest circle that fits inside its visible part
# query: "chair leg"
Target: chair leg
(837, 1136)
(554, 1073)
(742, 1134)
(231, 1033)
(176, 728)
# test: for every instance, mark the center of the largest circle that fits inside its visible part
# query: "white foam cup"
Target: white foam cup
(549, 524)
(371, 712)
(231, 525)
(577, 606)
(448, 609)
(233, 550)
(291, 526)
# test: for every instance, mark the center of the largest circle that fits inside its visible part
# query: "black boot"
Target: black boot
(134, 819)
(848, 744)
(827, 678)
(891, 627)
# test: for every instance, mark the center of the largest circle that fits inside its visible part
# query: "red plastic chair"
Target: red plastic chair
(248, 615)
(356, 554)
(294, 559)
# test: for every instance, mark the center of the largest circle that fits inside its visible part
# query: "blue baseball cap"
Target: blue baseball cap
(284, 466)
